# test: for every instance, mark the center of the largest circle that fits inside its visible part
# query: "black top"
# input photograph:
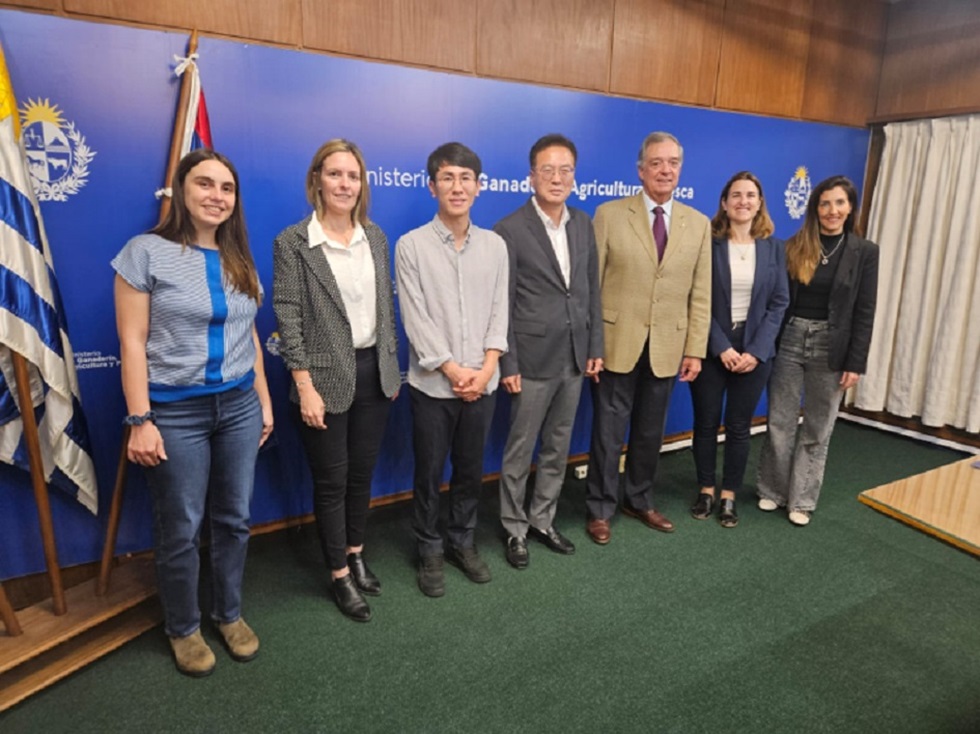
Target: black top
(813, 299)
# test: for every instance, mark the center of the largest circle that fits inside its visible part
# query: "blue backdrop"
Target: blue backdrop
(111, 90)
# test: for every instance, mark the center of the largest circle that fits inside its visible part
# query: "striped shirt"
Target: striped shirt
(200, 331)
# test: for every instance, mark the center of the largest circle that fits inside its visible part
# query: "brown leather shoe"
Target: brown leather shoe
(598, 530)
(650, 518)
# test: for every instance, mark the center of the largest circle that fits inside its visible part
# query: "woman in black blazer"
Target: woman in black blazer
(334, 304)
(823, 347)
(749, 295)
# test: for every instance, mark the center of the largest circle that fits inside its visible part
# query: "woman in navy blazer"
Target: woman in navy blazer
(749, 294)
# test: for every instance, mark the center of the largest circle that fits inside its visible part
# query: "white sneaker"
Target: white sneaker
(767, 505)
(799, 517)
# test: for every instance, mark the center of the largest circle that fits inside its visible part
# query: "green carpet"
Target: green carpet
(856, 623)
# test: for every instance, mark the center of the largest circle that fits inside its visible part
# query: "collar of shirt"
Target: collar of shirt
(317, 237)
(548, 222)
(668, 207)
(442, 231)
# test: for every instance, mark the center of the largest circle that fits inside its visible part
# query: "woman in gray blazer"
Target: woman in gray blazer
(822, 349)
(333, 300)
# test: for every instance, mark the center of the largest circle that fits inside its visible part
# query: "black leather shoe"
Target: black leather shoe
(516, 552)
(554, 540)
(349, 599)
(726, 514)
(364, 579)
(702, 507)
(432, 580)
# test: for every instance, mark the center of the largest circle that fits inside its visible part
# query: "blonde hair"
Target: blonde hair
(338, 145)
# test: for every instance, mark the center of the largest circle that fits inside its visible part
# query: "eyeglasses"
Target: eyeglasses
(563, 171)
(447, 180)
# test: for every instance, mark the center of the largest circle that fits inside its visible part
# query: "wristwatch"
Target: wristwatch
(139, 420)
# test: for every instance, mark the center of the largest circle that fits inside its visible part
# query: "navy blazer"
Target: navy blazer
(770, 298)
(543, 310)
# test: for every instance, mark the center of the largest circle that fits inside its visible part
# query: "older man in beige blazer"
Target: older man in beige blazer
(655, 275)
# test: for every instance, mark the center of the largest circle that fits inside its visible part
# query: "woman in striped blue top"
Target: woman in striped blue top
(186, 297)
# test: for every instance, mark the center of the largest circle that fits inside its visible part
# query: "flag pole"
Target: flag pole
(41, 498)
(115, 509)
(183, 102)
(7, 615)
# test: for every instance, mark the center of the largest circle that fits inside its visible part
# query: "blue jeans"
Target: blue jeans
(792, 464)
(211, 444)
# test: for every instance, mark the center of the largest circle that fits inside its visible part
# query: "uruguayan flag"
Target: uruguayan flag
(32, 324)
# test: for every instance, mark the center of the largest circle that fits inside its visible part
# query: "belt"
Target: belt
(737, 325)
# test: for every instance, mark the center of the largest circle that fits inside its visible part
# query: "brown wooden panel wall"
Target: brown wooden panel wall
(563, 42)
(262, 20)
(439, 33)
(667, 50)
(763, 56)
(846, 43)
(35, 4)
(931, 62)
(809, 59)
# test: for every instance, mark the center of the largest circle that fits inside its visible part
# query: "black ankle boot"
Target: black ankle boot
(349, 599)
(366, 582)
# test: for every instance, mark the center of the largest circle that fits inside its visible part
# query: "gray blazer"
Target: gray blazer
(314, 331)
(543, 311)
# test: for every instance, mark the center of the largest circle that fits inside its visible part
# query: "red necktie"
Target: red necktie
(659, 231)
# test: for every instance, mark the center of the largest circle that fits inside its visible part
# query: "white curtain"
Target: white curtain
(925, 217)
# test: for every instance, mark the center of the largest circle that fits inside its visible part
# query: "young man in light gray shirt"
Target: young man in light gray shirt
(452, 286)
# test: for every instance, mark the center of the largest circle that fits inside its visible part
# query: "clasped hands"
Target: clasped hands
(468, 384)
(732, 361)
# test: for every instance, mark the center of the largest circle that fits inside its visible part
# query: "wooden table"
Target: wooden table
(944, 502)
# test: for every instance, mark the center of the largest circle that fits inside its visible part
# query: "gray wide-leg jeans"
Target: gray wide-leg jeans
(792, 464)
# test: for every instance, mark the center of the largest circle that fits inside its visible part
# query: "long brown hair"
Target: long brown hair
(231, 235)
(762, 225)
(803, 248)
(338, 145)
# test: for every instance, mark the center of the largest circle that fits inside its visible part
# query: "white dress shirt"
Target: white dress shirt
(559, 239)
(353, 269)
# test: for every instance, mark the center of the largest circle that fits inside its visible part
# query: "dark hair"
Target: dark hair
(803, 248)
(453, 154)
(231, 235)
(762, 225)
(551, 140)
(338, 145)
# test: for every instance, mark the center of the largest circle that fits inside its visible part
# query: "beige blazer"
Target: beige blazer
(667, 303)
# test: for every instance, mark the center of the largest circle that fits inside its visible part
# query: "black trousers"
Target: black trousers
(342, 460)
(448, 427)
(714, 388)
(637, 399)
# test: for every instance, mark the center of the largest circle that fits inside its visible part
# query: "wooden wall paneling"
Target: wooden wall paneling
(435, 33)
(34, 4)
(667, 49)
(846, 42)
(563, 42)
(278, 22)
(763, 56)
(931, 61)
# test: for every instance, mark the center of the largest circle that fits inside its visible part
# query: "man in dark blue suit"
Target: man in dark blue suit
(555, 338)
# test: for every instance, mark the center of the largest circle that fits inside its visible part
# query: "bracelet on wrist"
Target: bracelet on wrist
(300, 383)
(139, 420)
